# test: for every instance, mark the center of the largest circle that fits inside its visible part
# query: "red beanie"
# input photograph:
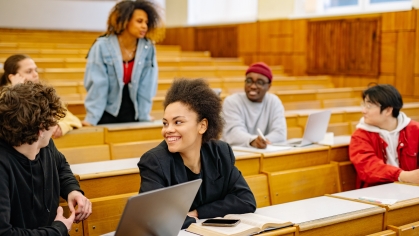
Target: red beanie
(260, 68)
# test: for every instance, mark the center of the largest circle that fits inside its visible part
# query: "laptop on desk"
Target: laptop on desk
(314, 131)
(158, 212)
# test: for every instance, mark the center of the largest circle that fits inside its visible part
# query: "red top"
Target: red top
(367, 151)
(128, 66)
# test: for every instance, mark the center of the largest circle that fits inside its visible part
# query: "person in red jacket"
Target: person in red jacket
(384, 147)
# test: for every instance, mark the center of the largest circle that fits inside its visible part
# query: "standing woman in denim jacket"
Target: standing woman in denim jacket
(121, 71)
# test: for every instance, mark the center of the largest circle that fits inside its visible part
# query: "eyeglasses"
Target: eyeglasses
(369, 105)
(259, 83)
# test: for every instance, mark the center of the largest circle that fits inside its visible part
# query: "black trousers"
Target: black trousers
(126, 112)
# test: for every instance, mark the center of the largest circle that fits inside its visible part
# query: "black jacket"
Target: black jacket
(30, 191)
(223, 190)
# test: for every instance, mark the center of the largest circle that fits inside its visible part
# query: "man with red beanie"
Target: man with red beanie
(245, 113)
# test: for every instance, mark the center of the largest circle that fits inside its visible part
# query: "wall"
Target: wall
(176, 13)
(270, 9)
(57, 14)
(54, 14)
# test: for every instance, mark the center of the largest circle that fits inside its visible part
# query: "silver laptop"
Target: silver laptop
(314, 131)
(158, 212)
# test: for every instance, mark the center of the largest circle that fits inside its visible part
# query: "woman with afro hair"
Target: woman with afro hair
(192, 124)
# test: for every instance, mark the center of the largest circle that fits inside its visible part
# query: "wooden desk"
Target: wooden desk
(328, 216)
(295, 158)
(106, 178)
(131, 132)
(85, 136)
(339, 153)
(339, 148)
(248, 163)
(402, 212)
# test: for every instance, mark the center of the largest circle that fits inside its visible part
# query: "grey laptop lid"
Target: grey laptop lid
(158, 212)
(315, 129)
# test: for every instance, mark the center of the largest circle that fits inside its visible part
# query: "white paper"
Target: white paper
(328, 139)
(385, 201)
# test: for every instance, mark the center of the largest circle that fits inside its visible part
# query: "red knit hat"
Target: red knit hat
(260, 68)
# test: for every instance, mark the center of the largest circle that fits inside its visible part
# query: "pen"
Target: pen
(261, 134)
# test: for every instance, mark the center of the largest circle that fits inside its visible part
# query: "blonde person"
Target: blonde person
(191, 150)
(121, 71)
(33, 173)
(19, 68)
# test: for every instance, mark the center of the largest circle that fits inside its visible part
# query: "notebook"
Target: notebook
(314, 131)
(158, 212)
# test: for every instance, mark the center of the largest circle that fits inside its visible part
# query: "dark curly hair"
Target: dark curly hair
(197, 95)
(122, 12)
(26, 109)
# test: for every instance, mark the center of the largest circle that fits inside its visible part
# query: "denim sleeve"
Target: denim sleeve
(147, 88)
(96, 82)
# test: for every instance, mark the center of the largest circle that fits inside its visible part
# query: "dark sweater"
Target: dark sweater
(223, 189)
(30, 191)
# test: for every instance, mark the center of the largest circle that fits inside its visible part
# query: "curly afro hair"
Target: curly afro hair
(197, 95)
(26, 109)
(122, 13)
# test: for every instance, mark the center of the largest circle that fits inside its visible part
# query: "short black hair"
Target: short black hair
(386, 96)
(197, 95)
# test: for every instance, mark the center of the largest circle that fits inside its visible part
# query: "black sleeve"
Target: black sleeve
(68, 182)
(239, 199)
(151, 173)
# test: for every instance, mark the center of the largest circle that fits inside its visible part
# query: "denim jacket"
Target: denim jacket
(103, 79)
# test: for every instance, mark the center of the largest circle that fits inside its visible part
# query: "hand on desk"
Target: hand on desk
(86, 123)
(193, 214)
(84, 208)
(409, 176)
(259, 142)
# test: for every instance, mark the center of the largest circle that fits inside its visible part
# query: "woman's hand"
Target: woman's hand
(17, 79)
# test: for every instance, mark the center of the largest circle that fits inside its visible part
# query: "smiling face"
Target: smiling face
(137, 25)
(181, 130)
(256, 85)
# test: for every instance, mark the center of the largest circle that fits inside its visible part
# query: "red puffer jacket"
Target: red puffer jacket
(367, 151)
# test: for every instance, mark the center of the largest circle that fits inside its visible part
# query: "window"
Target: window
(310, 8)
(202, 12)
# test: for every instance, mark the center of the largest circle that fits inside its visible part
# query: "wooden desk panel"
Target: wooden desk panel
(384, 233)
(106, 214)
(85, 136)
(347, 175)
(328, 216)
(113, 184)
(402, 212)
(295, 158)
(411, 229)
(303, 183)
(132, 132)
(368, 224)
(339, 153)
(290, 231)
(248, 163)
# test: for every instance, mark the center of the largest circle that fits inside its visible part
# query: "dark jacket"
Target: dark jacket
(223, 190)
(30, 191)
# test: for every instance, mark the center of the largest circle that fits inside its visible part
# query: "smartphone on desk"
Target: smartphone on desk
(221, 222)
